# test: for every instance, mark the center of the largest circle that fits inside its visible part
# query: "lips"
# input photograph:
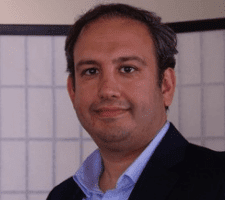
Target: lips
(110, 111)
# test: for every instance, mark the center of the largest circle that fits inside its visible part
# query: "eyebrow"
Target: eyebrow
(130, 58)
(114, 61)
(85, 62)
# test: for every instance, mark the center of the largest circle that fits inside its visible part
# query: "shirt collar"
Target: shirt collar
(87, 177)
(135, 170)
(88, 174)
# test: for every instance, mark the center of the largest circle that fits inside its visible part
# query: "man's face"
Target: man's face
(117, 98)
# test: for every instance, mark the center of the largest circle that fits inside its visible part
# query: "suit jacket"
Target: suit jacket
(178, 170)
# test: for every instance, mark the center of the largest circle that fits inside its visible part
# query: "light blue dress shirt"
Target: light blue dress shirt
(87, 177)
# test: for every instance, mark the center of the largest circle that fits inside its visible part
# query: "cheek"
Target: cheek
(82, 99)
(82, 106)
(142, 91)
(145, 97)
(139, 97)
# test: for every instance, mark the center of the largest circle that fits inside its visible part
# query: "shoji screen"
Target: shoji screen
(198, 108)
(42, 142)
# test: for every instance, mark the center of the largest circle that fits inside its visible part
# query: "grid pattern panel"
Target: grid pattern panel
(42, 141)
(198, 110)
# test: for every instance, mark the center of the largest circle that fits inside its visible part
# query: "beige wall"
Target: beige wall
(65, 11)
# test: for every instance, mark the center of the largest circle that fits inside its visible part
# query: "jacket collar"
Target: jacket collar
(157, 179)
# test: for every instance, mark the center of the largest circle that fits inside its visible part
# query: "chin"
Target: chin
(111, 136)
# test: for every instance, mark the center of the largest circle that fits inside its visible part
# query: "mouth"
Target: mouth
(110, 113)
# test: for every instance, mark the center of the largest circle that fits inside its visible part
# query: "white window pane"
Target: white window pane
(39, 60)
(189, 58)
(214, 110)
(213, 56)
(38, 196)
(40, 112)
(13, 112)
(12, 60)
(13, 170)
(13, 197)
(191, 112)
(67, 160)
(40, 165)
(67, 122)
(60, 61)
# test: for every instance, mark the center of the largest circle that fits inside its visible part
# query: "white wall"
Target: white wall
(65, 11)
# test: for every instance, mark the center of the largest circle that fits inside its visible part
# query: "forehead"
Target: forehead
(114, 25)
(117, 30)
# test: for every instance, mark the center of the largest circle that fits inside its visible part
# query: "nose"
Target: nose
(108, 86)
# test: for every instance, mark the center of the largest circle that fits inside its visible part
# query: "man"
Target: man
(122, 81)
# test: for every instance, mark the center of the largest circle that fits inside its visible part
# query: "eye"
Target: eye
(127, 69)
(90, 71)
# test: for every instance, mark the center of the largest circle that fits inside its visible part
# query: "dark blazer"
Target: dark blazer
(177, 170)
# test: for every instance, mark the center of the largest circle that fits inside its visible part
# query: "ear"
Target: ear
(70, 88)
(168, 86)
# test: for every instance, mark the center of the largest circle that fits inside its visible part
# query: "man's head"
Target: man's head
(163, 37)
(117, 96)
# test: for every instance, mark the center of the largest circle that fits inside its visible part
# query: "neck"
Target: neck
(115, 166)
(117, 160)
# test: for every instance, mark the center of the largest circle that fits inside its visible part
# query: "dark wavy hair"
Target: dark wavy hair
(164, 38)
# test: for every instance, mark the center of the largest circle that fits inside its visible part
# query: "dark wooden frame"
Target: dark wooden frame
(178, 27)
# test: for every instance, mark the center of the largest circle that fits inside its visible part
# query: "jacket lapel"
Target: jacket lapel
(157, 179)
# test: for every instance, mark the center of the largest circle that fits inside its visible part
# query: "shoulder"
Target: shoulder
(202, 171)
(204, 158)
(65, 190)
(203, 164)
(194, 156)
